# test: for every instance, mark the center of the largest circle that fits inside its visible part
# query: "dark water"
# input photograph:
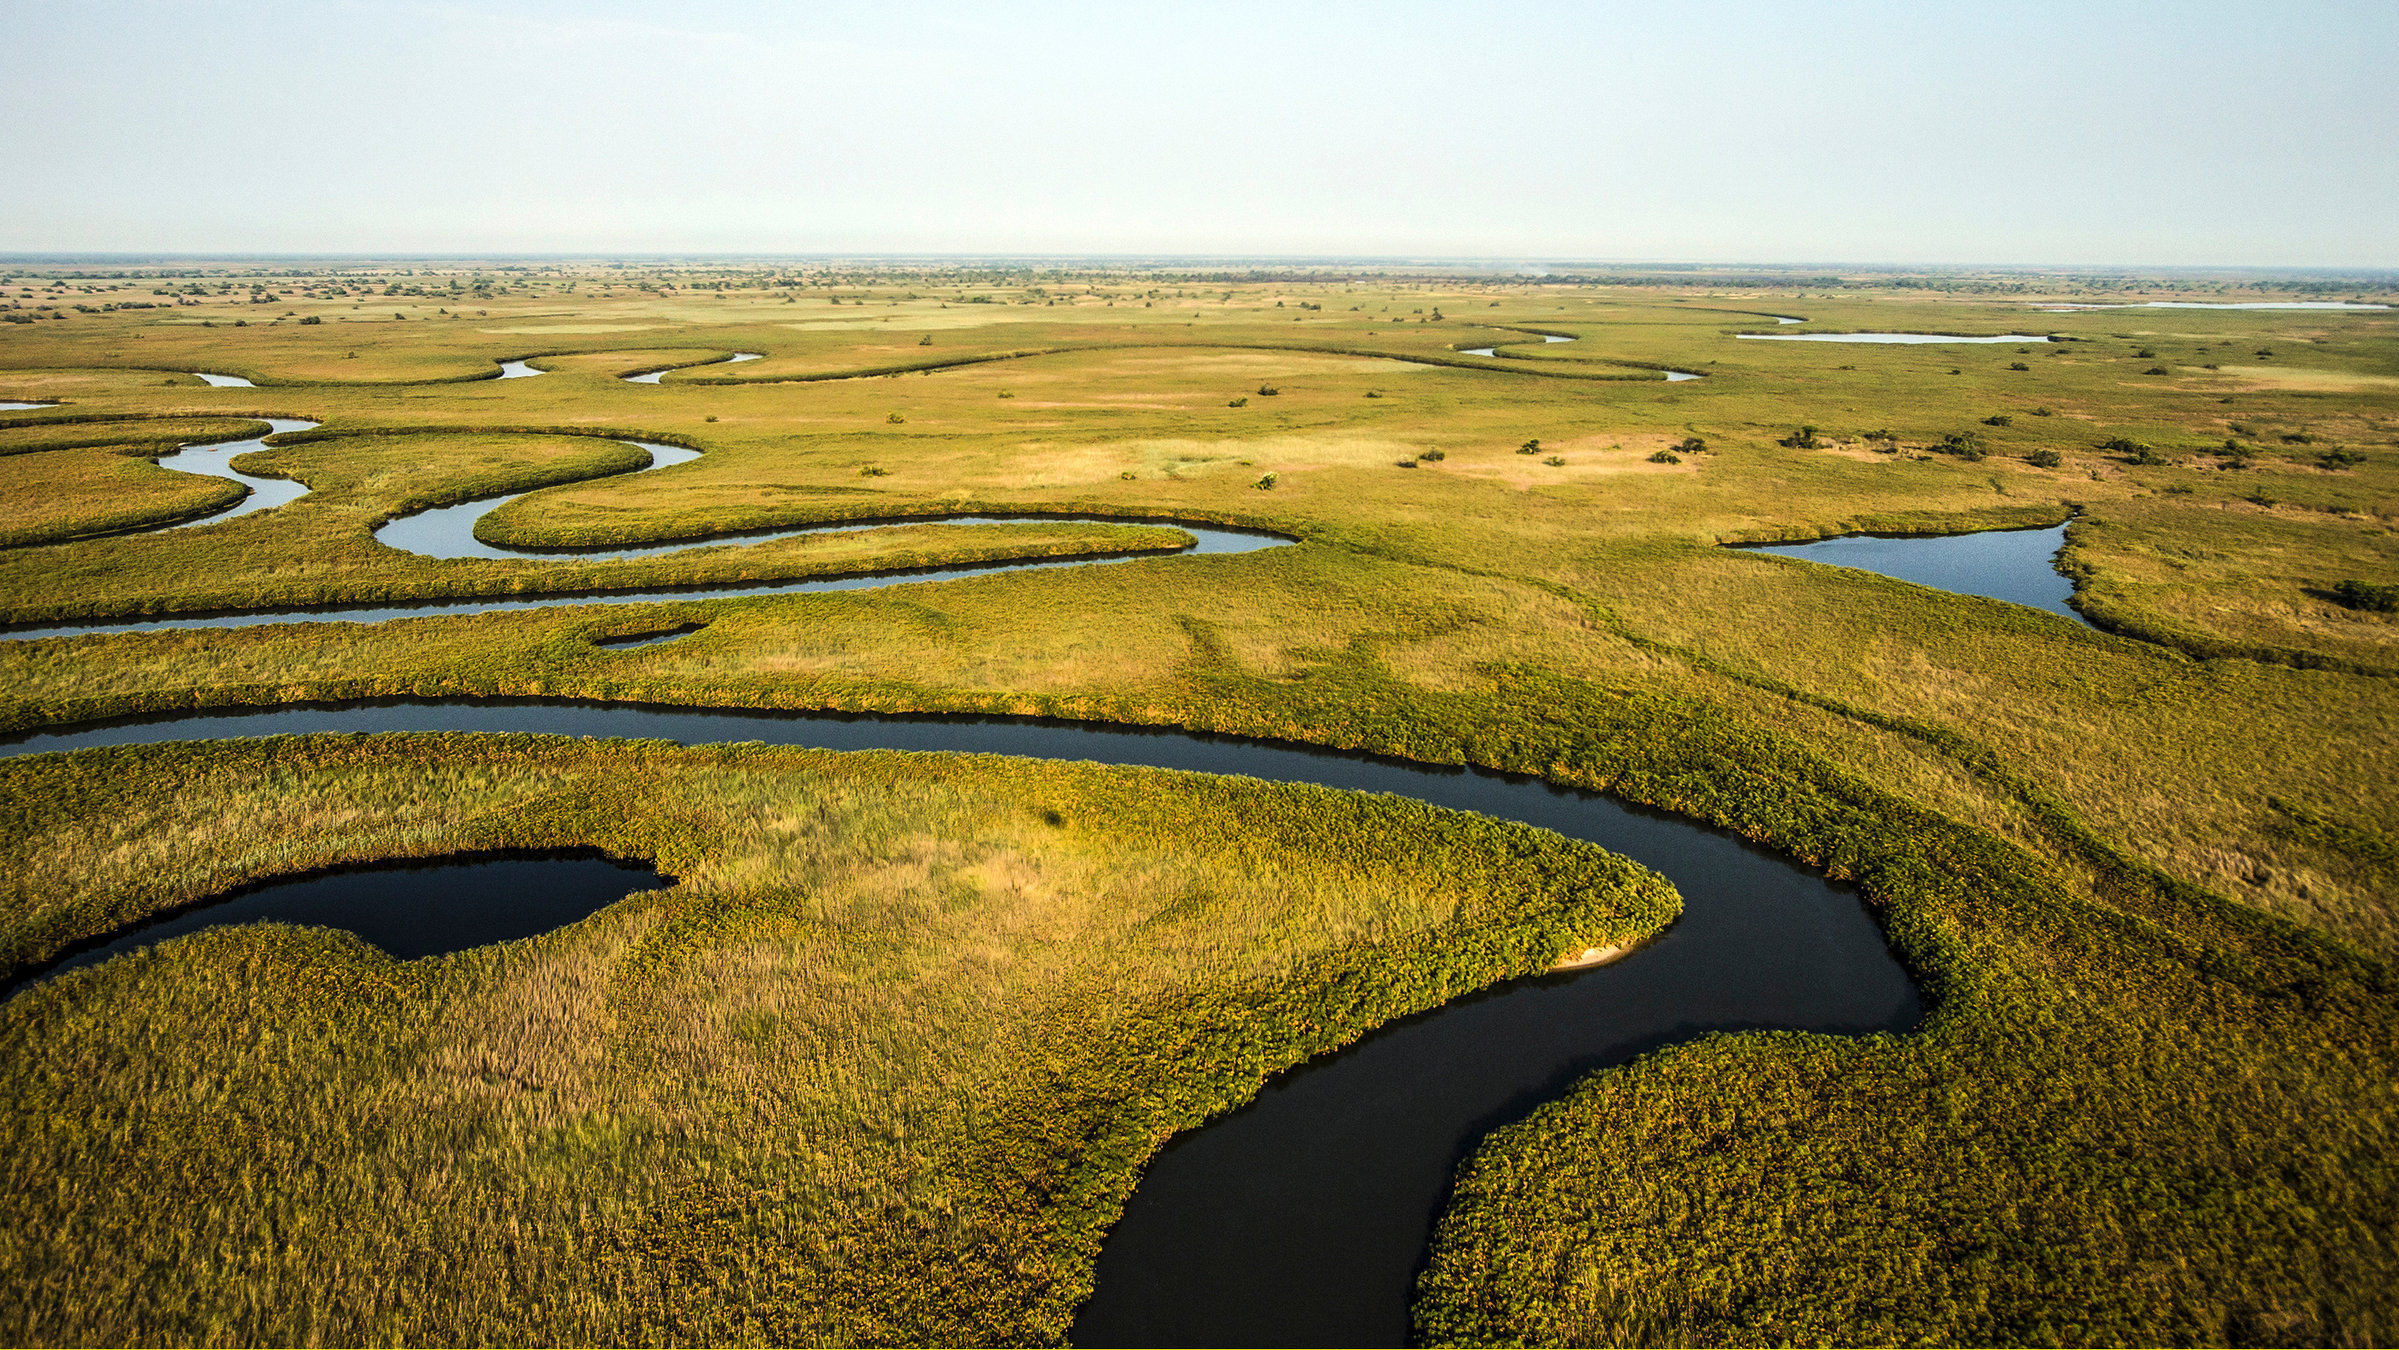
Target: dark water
(407, 909)
(1302, 1218)
(2019, 566)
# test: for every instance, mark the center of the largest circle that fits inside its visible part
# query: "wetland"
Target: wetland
(1123, 768)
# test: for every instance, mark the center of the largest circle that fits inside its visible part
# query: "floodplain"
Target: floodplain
(886, 1057)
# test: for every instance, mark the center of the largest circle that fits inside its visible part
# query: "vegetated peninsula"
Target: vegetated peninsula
(1048, 712)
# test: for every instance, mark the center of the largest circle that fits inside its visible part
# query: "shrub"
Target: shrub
(873, 471)
(1433, 455)
(1999, 420)
(2150, 458)
(895, 419)
(1962, 444)
(2145, 355)
(2044, 459)
(1265, 481)
(1531, 447)
(2042, 412)
(2365, 596)
(925, 341)
(1555, 461)
(1664, 457)
(2298, 438)
(1692, 445)
(1802, 439)
(1268, 391)
(2340, 459)
(312, 319)
(2157, 370)
(2123, 445)
(1241, 402)
(1407, 464)
(2018, 365)
(1374, 393)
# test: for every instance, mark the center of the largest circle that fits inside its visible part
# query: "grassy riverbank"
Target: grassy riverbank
(2137, 866)
(881, 1067)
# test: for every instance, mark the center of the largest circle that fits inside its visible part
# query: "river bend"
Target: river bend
(1303, 1217)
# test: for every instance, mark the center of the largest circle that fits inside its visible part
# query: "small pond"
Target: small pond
(223, 381)
(2019, 566)
(410, 910)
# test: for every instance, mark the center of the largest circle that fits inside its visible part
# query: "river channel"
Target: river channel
(1303, 1217)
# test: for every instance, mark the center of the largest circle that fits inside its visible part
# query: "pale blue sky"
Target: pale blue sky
(2027, 132)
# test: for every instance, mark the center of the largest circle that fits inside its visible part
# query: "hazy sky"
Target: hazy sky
(2080, 132)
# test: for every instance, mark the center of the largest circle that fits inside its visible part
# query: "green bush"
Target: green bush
(2365, 596)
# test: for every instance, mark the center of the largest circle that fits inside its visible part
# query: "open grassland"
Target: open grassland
(1510, 560)
(882, 1065)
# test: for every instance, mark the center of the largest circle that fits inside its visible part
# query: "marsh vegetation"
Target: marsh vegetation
(844, 1082)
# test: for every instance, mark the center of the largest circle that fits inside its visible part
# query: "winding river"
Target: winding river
(449, 532)
(1302, 1218)
(215, 460)
(653, 376)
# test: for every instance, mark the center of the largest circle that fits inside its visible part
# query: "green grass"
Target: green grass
(882, 1066)
(2137, 866)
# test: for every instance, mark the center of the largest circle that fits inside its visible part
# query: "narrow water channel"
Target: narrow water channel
(215, 460)
(653, 376)
(1302, 1218)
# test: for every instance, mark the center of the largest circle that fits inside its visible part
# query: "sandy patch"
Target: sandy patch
(1049, 466)
(2306, 381)
(576, 328)
(1588, 957)
(1586, 457)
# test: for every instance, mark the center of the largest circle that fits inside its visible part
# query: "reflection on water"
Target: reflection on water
(2019, 566)
(410, 910)
(652, 377)
(1907, 339)
(216, 461)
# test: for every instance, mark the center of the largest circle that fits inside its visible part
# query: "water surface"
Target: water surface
(1909, 339)
(21, 407)
(2201, 304)
(652, 377)
(2019, 566)
(216, 461)
(224, 381)
(1303, 1217)
(519, 370)
(409, 909)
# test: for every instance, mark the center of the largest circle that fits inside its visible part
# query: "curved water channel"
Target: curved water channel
(1672, 376)
(449, 532)
(1900, 339)
(23, 407)
(653, 376)
(1302, 1217)
(2018, 566)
